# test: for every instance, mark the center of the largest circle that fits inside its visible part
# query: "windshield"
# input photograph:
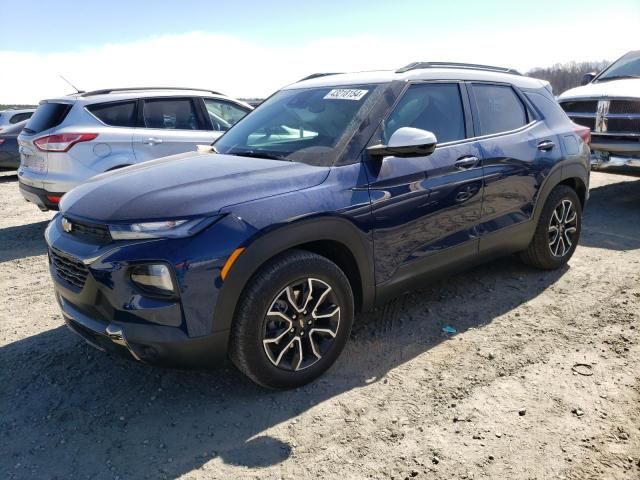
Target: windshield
(626, 67)
(303, 125)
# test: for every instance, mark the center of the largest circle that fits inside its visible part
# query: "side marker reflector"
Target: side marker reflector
(230, 261)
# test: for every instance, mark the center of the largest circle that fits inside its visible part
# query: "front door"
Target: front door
(426, 208)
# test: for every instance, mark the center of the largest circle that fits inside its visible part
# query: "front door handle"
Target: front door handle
(152, 141)
(469, 161)
(546, 145)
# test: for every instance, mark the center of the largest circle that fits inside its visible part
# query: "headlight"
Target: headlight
(153, 277)
(160, 229)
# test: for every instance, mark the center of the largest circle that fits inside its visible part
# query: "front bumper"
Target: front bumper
(40, 197)
(615, 152)
(151, 344)
(100, 302)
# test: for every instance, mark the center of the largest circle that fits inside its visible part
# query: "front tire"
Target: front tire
(292, 321)
(558, 230)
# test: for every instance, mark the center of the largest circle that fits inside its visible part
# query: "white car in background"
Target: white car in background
(72, 138)
(8, 118)
(609, 104)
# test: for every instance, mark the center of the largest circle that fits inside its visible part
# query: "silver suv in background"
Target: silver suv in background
(8, 118)
(72, 138)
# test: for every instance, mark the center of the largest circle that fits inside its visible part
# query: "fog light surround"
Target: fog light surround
(154, 278)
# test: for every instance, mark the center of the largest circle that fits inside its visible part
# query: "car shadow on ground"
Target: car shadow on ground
(22, 241)
(612, 217)
(103, 415)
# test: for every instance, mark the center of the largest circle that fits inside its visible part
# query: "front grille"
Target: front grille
(623, 125)
(590, 123)
(90, 231)
(589, 106)
(69, 269)
(624, 106)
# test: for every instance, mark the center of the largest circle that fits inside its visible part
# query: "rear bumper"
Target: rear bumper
(40, 197)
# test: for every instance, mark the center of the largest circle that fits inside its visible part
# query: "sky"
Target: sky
(252, 48)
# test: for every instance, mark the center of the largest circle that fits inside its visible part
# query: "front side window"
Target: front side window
(499, 108)
(170, 113)
(435, 107)
(115, 114)
(310, 125)
(223, 114)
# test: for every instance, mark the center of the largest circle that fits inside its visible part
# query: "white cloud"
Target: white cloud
(245, 68)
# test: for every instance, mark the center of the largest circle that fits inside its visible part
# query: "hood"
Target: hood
(185, 185)
(623, 88)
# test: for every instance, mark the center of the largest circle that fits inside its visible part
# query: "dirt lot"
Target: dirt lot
(500, 399)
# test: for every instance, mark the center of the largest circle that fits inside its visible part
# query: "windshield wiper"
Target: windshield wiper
(256, 154)
(617, 77)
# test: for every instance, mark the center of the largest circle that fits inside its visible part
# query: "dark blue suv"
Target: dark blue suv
(337, 193)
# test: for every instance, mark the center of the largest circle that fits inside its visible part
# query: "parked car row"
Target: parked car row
(335, 194)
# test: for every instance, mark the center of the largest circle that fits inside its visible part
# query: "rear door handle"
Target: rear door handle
(466, 162)
(152, 141)
(546, 145)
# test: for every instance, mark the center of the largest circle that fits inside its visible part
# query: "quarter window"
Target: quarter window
(436, 107)
(223, 115)
(119, 114)
(499, 109)
(171, 113)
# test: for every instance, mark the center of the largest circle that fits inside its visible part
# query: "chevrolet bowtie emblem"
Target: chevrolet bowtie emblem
(67, 226)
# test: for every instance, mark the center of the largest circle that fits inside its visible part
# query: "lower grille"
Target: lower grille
(69, 269)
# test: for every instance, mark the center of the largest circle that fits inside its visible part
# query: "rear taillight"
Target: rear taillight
(584, 133)
(1, 141)
(62, 142)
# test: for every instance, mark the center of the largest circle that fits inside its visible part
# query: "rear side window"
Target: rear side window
(499, 109)
(46, 116)
(115, 114)
(223, 114)
(171, 113)
(20, 117)
(436, 107)
(550, 109)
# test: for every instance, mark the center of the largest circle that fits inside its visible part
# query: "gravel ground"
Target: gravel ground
(540, 381)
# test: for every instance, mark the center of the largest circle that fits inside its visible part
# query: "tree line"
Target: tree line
(564, 76)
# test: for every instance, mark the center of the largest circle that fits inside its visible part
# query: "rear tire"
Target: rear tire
(293, 320)
(558, 230)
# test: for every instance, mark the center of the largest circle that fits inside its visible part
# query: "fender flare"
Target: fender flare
(287, 237)
(559, 173)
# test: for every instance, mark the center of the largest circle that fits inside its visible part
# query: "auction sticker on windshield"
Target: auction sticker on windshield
(345, 94)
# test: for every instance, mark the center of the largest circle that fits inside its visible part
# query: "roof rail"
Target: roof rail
(471, 66)
(132, 89)
(318, 75)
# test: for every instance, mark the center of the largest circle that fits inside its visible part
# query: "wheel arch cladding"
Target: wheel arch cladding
(334, 238)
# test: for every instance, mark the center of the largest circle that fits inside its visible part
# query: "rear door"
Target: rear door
(517, 147)
(170, 125)
(426, 209)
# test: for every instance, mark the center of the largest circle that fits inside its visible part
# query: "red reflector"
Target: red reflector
(62, 142)
(54, 198)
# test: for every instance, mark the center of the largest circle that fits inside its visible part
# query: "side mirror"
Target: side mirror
(587, 78)
(406, 142)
